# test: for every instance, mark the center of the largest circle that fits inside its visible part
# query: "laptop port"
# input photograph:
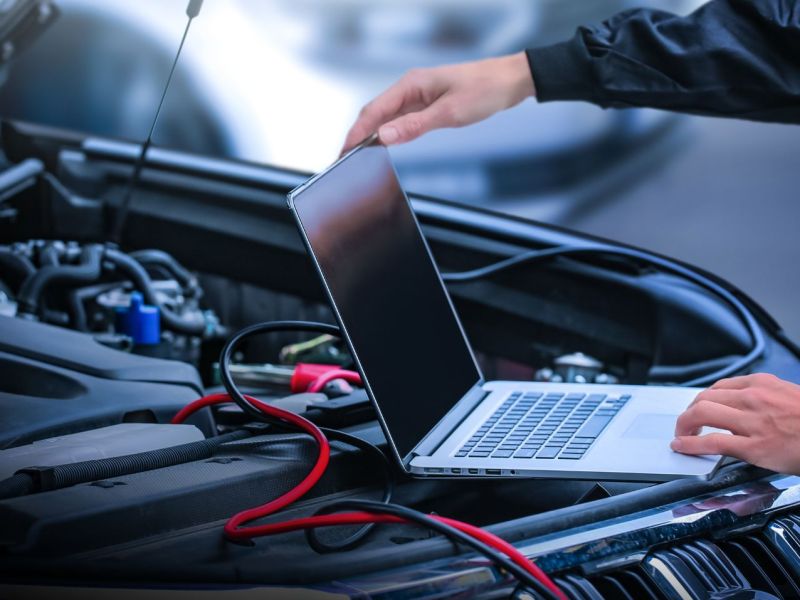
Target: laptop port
(434, 470)
(473, 471)
(493, 471)
(455, 471)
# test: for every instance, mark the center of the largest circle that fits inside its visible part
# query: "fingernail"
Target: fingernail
(388, 135)
(676, 444)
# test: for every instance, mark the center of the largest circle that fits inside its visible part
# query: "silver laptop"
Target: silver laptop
(439, 415)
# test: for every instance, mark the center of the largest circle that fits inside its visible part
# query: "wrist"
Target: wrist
(522, 85)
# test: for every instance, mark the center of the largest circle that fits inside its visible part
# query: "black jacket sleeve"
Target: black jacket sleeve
(730, 58)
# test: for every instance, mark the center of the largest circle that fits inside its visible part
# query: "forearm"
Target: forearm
(730, 58)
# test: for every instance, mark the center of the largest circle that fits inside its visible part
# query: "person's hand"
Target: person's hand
(761, 411)
(449, 96)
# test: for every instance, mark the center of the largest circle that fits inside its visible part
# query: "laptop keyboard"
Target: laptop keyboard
(537, 425)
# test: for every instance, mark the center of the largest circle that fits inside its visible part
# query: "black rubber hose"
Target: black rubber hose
(142, 282)
(19, 265)
(53, 478)
(49, 256)
(87, 271)
(19, 484)
(168, 262)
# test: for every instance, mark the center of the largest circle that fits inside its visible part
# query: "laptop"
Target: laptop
(440, 417)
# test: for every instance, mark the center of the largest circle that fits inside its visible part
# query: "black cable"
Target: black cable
(736, 366)
(332, 434)
(388, 490)
(408, 514)
(258, 328)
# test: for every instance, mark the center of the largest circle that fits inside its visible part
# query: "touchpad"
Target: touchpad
(652, 425)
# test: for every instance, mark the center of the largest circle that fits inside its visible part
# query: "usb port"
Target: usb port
(493, 471)
(455, 471)
(434, 470)
(473, 471)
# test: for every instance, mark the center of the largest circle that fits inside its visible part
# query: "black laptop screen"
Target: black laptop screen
(388, 294)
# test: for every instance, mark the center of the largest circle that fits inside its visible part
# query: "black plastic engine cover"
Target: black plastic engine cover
(54, 381)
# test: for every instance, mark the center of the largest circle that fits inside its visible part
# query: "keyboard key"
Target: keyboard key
(502, 453)
(479, 454)
(524, 453)
(570, 456)
(548, 452)
(594, 426)
(461, 453)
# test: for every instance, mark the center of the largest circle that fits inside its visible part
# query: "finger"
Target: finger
(412, 125)
(714, 443)
(398, 99)
(745, 381)
(710, 414)
(734, 398)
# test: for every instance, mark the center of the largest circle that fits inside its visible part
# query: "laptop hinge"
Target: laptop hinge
(436, 436)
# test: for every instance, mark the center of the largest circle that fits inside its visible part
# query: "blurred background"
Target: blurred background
(280, 81)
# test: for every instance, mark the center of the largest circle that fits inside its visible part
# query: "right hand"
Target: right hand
(449, 96)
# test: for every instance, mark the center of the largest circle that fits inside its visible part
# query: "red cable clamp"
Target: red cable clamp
(310, 377)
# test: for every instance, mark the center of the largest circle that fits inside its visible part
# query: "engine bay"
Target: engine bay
(102, 344)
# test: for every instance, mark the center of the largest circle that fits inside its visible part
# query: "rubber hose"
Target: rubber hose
(167, 261)
(17, 263)
(87, 271)
(141, 280)
(19, 484)
(53, 478)
(49, 256)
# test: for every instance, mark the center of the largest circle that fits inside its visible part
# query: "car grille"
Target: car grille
(767, 560)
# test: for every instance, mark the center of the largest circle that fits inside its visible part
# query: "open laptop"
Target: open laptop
(439, 415)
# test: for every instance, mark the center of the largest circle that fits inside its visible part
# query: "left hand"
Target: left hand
(761, 411)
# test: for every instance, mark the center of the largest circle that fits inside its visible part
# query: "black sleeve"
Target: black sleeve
(730, 58)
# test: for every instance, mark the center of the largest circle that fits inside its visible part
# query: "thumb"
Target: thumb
(410, 126)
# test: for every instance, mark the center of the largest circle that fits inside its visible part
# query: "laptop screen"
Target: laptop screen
(386, 288)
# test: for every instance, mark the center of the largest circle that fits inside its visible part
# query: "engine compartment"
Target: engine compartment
(211, 244)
